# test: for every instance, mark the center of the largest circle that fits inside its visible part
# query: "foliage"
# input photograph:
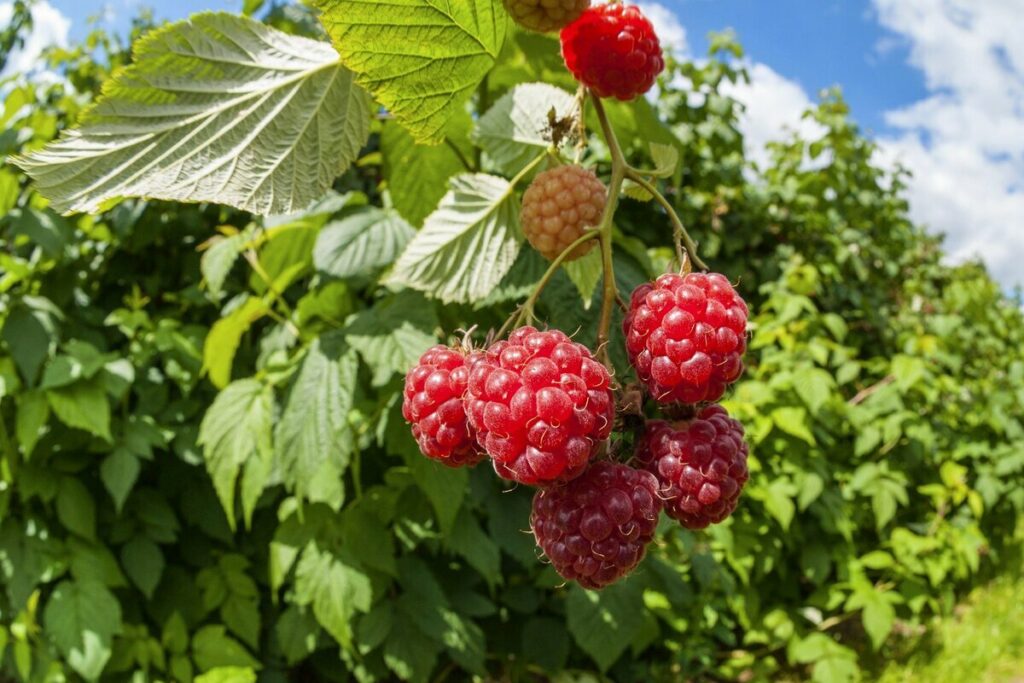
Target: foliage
(205, 474)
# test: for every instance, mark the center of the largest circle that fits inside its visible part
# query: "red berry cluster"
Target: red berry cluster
(543, 409)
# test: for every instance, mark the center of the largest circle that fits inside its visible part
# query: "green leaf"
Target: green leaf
(235, 434)
(793, 421)
(360, 244)
(908, 370)
(836, 670)
(409, 652)
(30, 331)
(313, 428)
(296, 631)
(517, 128)
(82, 405)
(144, 563)
(467, 245)
(334, 588)
(119, 472)
(878, 616)
(418, 175)
(470, 541)
(445, 487)
(666, 160)
(227, 674)
(602, 622)
(217, 260)
(813, 386)
(33, 411)
(241, 614)
(76, 509)
(94, 562)
(434, 55)
(80, 361)
(393, 334)
(217, 108)
(81, 617)
(225, 336)
(779, 501)
(546, 643)
(585, 273)
(212, 647)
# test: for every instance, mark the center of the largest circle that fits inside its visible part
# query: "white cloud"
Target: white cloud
(774, 109)
(49, 27)
(670, 32)
(964, 142)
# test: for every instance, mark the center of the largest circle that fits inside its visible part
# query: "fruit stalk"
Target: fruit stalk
(681, 235)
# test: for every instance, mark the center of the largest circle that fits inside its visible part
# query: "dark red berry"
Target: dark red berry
(613, 50)
(596, 528)
(686, 335)
(540, 404)
(700, 464)
(433, 405)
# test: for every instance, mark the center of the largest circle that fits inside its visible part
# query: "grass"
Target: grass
(983, 642)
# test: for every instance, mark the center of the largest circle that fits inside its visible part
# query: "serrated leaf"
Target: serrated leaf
(75, 507)
(81, 618)
(793, 421)
(361, 244)
(393, 334)
(445, 487)
(418, 175)
(217, 260)
(468, 245)
(33, 411)
(313, 428)
(144, 563)
(666, 160)
(602, 622)
(335, 589)
(878, 616)
(470, 541)
(517, 128)
(82, 405)
(225, 336)
(235, 434)
(429, 62)
(217, 108)
(585, 273)
(813, 386)
(119, 472)
(212, 648)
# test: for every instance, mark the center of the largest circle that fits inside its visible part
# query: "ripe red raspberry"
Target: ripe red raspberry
(540, 405)
(559, 206)
(701, 465)
(686, 336)
(433, 405)
(545, 16)
(596, 528)
(613, 50)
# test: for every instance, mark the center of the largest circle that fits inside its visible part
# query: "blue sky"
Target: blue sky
(939, 84)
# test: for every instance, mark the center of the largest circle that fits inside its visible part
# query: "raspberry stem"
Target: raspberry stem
(619, 168)
(681, 235)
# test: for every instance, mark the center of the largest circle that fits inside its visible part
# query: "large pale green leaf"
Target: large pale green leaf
(217, 108)
(418, 175)
(360, 244)
(468, 245)
(235, 434)
(81, 618)
(517, 127)
(313, 429)
(393, 334)
(421, 59)
(603, 622)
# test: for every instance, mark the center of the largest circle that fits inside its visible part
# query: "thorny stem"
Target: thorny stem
(619, 167)
(682, 238)
(525, 312)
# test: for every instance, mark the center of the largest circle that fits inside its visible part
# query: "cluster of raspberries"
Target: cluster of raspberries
(542, 409)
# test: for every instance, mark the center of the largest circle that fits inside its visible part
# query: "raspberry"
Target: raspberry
(433, 405)
(559, 206)
(613, 50)
(596, 528)
(540, 405)
(686, 336)
(545, 16)
(701, 465)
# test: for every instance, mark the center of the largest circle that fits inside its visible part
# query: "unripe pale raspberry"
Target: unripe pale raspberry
(541, 405)
(559, 206)
(613, 50)
(433, 405)
(700, 464)
(686, 336)
(596, 528)
(545, 16)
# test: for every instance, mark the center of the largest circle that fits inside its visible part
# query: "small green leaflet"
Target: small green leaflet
(217, 108)
(603, 622)
(81, 617)
(393, 334)
(429, 60)
(468, 245)
(235, 434)
(517, 128)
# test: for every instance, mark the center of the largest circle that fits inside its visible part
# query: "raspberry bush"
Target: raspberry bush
(239, 351)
